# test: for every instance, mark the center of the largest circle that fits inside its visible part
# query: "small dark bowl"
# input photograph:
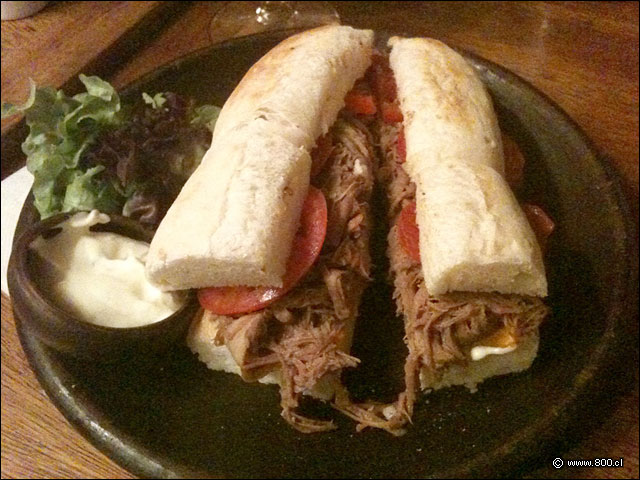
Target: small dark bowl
(68, 334)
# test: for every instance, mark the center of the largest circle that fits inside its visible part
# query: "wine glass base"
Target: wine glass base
(236, 19)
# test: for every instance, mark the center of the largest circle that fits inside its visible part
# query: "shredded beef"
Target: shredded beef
(310, 349)
(305, 333)
(439, 331)
(400, 188)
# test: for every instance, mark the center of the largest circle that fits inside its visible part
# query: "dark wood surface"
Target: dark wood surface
(584, 56)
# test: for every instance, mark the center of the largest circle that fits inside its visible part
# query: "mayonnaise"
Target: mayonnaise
(479, 352)
(500, 342)
(100, 276)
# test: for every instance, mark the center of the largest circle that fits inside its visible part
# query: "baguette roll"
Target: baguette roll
(473, 234)
(448, 114)
(234, 220)
(467, 269)
(302, 341)
(299, 86)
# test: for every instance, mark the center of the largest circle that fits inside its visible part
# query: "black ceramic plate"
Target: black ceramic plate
(176, 418)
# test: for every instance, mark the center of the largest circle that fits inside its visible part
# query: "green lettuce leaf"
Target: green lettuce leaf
(156, 101)
(60, 130)
(85, 192)
(90, 152)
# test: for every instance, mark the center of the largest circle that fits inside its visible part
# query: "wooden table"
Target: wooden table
(583, 56)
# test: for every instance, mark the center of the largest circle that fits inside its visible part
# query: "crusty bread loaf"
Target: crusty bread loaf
(448, 114)
(300, 85)
(234, 220)
(473, 233)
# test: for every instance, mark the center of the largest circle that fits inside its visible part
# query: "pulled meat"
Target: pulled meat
(439, 331)
(400, 188)
(307, 333)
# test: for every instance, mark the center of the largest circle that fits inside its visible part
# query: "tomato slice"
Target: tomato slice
(384, 85)
(305, 249)
(391, 113)
(408, 231)
(513, 162)
(321, 153)
(401, 146)
(540, 222)
(360, 103)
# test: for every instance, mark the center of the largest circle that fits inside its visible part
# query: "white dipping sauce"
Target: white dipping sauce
(479, 352)
(100, 276)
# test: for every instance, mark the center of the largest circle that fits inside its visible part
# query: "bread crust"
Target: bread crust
(473, 234)
(234, 220)
(448, 114)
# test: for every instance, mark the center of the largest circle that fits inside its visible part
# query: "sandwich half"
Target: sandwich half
(273, 227)
(302, 340)
(234, 221)
(466, 265)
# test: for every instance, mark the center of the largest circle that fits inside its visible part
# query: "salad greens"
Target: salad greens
(91, 151)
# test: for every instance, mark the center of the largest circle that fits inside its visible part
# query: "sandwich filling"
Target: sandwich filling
(305, 335)
(440, 331)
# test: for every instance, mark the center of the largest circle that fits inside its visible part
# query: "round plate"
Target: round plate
(176, 418)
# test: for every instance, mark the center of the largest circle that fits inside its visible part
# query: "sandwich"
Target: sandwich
(467, 268)
(273, 226)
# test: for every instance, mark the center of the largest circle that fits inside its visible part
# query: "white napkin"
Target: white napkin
(15, 189)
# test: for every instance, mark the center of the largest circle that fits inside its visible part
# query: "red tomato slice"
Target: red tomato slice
(540, 222)
(305, 249)
(408, 231)
(321, 153)
(360, 103)
(513, 162)
(391, 113)
(401, 147)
